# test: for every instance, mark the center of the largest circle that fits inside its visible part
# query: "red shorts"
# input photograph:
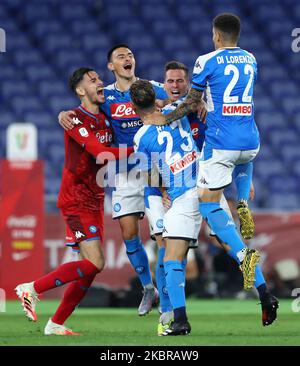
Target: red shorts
(83, 226)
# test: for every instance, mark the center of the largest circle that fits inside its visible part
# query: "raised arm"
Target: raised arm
(189, 105)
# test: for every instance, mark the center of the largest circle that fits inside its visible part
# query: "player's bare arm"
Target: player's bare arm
(190, 105)
(65, 119)
(202, 111)
(160, 103)
(154, 178)
(166, 200)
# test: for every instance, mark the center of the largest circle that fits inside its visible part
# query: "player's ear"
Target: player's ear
(219, 36)
(80, 91)
(110, 66)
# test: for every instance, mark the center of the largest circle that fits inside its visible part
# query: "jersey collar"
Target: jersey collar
(83, 110)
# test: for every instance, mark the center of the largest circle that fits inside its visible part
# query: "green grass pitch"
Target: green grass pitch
(214, 322)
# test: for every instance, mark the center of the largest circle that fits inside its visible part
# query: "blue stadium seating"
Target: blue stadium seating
(47, 40)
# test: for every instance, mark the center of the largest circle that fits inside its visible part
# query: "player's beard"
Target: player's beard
(98, 99)
(95, 99)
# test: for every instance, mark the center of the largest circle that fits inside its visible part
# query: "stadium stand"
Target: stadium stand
(46, 41)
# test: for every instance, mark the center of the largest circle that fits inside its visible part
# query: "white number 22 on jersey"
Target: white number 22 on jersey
(246, 98)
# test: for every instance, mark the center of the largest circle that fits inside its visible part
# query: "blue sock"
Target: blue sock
(242, 176)
(233, 256)
(183, 264)
(164, 300)
(175, 283)
(262, 291)
(180, 315)
(259, 277)
(222, 225)
(138, 258)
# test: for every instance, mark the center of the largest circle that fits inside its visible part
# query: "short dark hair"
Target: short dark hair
(77, 76)
(175, 65)
(142, 94)
(228, 24)
(120, 45)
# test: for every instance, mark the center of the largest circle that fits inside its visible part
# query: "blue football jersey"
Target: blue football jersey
(172, 151)
(228, 76)
(197, 126)
(118, 108)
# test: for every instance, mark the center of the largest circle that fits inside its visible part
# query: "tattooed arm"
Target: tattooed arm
(191, 104)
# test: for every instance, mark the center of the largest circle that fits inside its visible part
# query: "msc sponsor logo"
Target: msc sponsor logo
(237, 110)
(122, 110)
(129, 124)
(184, 162)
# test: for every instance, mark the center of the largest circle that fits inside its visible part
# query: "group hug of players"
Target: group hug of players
(171, 155)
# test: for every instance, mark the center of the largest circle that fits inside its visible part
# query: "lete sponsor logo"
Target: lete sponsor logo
(195, 130)
(184, 162)
(122, 110)
(104, 138)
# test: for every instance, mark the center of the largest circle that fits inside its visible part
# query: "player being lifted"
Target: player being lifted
(228, 75)
(177, 85)
(81, 200)
(167, 149)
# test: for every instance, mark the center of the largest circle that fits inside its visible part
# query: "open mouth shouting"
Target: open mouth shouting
(128, 67)
(100, 90)
(176, 93)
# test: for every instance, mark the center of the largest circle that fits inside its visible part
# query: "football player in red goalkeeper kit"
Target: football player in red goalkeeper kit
(81, 200)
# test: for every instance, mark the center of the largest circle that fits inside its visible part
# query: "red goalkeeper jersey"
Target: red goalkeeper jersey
(91, 135)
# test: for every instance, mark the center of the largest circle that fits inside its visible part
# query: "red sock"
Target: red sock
(72, 297)
(65, 273)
